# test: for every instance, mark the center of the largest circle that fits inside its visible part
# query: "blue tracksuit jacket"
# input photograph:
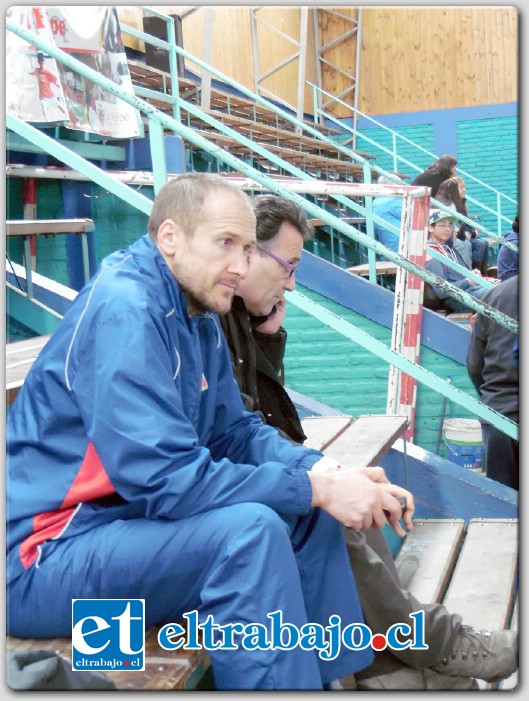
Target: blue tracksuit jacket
(131, 411)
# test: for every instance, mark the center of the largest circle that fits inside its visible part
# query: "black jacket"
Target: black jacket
(257, 360)
(428, 179)
(491, 358)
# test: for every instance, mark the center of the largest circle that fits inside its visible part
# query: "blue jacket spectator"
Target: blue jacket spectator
(507, 259)
(390, 209)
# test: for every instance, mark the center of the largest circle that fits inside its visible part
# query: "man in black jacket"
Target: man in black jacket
(493, 368)
(257, 342)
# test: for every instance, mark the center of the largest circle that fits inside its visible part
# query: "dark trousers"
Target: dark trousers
(502, 455)
(384, 603)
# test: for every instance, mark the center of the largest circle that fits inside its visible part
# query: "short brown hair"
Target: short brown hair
(272, 211)
(182, 199)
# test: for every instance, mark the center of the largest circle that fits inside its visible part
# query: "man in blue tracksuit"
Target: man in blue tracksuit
(133, 470)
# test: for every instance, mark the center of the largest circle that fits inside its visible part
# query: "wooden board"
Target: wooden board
(30, 227)
(322, 430)
(20, 356)
(366, 440)
(383, 267)
(482, 586)
(513, 681)
(427, 557)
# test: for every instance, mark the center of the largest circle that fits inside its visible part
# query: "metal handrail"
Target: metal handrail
(159, 168)
(460, 217)
(159, 119)
(416, 371)
(396, 158)
(281, 163)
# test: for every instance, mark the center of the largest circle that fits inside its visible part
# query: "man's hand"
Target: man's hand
(407, 517)
(275, 321)
(375, 474)
(357, 501)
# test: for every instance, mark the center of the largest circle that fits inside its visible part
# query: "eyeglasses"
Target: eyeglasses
(291, 268)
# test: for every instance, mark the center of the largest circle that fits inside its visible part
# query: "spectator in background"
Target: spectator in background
(507, 259)
(448, 194)
(390, 209)
(433, 176)
(492, 364)
(257, 342)
(475, 250)
(440, 238)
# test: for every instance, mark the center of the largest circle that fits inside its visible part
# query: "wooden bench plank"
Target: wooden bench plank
(426, 558)
(482, 586)
(383, 267)
(322, 430)
(31, 227)
(367, 439)
(20, 356)
(265, 133)
(304, 159)
(513, 681)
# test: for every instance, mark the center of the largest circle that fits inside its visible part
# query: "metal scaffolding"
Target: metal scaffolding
(300, 54)
(324, 52)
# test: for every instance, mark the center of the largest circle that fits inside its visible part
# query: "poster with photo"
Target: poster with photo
(33, 83)
(90, 35)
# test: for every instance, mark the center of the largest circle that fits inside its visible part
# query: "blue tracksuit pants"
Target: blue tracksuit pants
(237, 564)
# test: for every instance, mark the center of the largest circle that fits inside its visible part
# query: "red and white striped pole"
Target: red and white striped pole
(413, 306)
(30, 212)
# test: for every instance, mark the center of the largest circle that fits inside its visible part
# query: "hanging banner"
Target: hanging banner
(92, 36)
(33, 84)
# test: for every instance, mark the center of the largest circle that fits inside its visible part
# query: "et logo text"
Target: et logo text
(108, 634)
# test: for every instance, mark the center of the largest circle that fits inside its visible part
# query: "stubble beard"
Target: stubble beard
(201, 303)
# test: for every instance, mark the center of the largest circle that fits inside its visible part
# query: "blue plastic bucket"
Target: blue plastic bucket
(464, 442)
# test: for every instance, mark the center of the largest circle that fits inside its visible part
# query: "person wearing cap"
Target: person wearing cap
(440, 238)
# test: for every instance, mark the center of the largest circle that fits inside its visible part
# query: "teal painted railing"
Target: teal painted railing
(158, 120)
(398, 160)
(279, 162)
(172, 98)
(422, 375)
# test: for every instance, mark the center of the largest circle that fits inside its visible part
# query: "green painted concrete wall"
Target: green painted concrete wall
(326, 366)
(118, 224)
(488, 148)
(51, 250)
(485, 147)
